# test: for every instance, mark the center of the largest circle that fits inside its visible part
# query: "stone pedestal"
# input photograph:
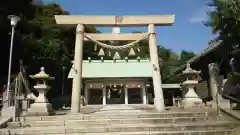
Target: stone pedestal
(223, 103)
(9, 112)
(25, 106)
(41, 106)
(40, 109)
(191, 98)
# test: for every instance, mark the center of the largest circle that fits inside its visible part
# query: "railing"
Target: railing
(230, 98)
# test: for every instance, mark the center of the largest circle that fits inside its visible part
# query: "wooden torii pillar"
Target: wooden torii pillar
(112, 21)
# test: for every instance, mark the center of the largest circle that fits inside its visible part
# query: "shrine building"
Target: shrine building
(120, 82)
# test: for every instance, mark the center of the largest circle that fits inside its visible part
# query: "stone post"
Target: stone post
(215, 82)
(157, 82)
(144, 95)
(77, 79)
(126, 95)
(212, 80)
(86, 94)
(104, 99)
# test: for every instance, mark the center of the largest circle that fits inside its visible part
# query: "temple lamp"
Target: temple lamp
(13, 21)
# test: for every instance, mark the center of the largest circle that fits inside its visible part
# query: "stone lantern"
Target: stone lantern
(41, 106)
(191, 76)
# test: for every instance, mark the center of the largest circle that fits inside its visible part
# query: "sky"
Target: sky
(187, 33)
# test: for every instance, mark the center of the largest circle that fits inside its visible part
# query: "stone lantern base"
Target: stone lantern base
(41, 106)
(40, 109)
(191, 99)
(192, 102)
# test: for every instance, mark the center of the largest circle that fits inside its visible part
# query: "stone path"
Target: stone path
(4, 121)
(233, 113)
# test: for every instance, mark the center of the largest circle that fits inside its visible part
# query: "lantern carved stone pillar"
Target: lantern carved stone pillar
(191, 98)
(41, 105)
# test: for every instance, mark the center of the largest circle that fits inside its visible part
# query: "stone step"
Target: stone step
(144, 115)
(201, 132)
(41, 123)
(138, 112)
(125, 128)
(123, 112)
(117, 115)
(107, 108)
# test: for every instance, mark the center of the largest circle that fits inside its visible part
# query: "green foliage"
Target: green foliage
(225, 20)
(171, 63)
(39, 41)
(185, 56)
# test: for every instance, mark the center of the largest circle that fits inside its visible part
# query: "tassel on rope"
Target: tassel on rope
(95, 47)
(131, 52)
(117, 56)
(109, 53)
(109, 94)
(101, 52)
(138, 49)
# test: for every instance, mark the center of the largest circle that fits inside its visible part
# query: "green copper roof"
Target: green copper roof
(110, 69)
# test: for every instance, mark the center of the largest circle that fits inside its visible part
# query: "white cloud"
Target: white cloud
(200, 15)
(198, 19)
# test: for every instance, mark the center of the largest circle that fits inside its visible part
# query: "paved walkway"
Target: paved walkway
(233, 113)
(4, 120)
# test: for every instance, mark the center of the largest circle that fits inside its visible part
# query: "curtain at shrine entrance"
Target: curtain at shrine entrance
(115, 95)
(135, 96)
(95, 97)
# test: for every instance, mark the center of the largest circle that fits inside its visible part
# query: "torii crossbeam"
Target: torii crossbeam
(109, 21)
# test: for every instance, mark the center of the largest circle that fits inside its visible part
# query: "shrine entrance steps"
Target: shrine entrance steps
(125, 120)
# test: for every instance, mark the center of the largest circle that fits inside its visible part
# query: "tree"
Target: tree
(39, 41)
(185, 56)
(23, 9)
(224, 19)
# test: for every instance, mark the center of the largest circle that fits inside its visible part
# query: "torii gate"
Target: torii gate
(113, 21)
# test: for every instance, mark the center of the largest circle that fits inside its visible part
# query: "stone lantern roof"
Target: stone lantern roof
(42, 75)
(189, 70)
